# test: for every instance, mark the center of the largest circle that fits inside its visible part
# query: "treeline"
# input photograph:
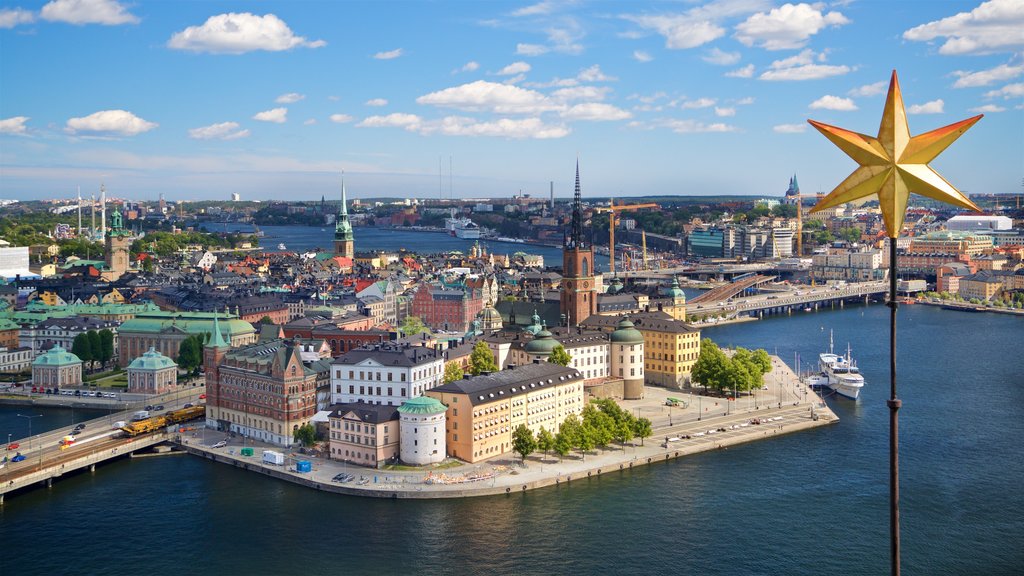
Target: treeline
(742, 372)
(603, 421)
(92, 347)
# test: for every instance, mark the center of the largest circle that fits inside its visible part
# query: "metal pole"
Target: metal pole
(894, 405)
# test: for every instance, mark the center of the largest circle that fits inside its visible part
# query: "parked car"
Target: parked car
(220, 444)
(13, 446)
(150, 408)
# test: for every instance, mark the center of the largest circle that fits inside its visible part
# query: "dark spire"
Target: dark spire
(576, 233)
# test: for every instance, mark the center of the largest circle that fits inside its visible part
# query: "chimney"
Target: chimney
(467, 376)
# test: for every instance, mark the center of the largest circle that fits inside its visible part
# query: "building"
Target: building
(164, 331)
(116, 256)
(387, 374)
(15, 359)
(978, 223)
(850, 265)
(264, 391)
(57, 368)
(152, 373)
(483, 411)
(627, 359)
(923, 254)
(381, 299)
(423, 438)
(62, 332)
(670, 349)
(447, 309)
(947, 276)
(578, 289)
(344, 238)
(983, 285)
(364, 434)
(14, 263)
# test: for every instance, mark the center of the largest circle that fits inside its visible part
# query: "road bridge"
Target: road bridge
(804, 297)
(733, 289)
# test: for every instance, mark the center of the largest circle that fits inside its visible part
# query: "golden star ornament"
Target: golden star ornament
(894, 164)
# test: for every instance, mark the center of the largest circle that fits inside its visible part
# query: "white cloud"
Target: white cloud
(988, 108)
(804, 66)
(987, 77)
(470, 66)
(993, 26)
(790, 128)
(745, 101)
(309, 122)
(698, 103)
(933, 107)
(389, 55)
(290, 98)
(503, 128)
(483, 96)
(724, 112)
(590, 93)
(680, 31)
(377, 102)
(744, 72)
(869, 89)
(787, 27)
(693, 126)
(513, 69)
(594, 74)
(14, 125)
(11, 17)
(538, 9)
(1007, 92)
(641, 56)
(275, 115)
(221, 131)
(110, 123)
(530, 49)
(107, 12)
(829, 102)
(595, 111)
(719, 57)
(341, 118)
(396, 120)
(238, 33)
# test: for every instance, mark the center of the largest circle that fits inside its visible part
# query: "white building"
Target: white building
(422, 425)
(971, 223)
(388, 374)
(14, 263)
(15, 359)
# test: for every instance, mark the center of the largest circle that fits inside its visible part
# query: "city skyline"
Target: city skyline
(273, 100)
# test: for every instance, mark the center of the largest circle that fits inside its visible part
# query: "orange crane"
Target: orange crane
(613, 220)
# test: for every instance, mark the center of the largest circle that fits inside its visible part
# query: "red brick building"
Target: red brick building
(446, 308)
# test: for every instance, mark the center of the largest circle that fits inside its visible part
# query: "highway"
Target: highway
(797, 297)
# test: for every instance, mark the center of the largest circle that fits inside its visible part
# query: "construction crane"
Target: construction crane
(800, 219)
(613, 220)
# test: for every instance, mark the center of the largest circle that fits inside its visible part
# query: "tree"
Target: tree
(266, 320)
(643, 429)
(545, 440)
(481, 359)
(106, 345)
(562, 445)
(412, 325)
(190, 353)
(585, 440)
(306, 434)
(95, 345)
(523, 442)
(80, 347)
(709, 370)
(452, 373)
(147, 264)
(571, 428)
(625, 429)
(851, 234)
(560, 356)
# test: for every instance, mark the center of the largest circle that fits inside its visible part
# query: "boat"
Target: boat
(816, 380)
(466, 229)
(844, 377)
(281, 246)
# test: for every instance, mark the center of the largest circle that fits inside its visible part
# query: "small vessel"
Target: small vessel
(816, 380)
(844, 377)
(281, 246)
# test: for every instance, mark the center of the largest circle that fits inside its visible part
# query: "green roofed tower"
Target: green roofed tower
(344, 239)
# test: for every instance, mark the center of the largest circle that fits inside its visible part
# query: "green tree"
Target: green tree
(106, 345)
(266, 320)
(851, 234)
(545, 440)
(306, 434)
(95, 346)
(481, 359)
(571, 428)
(80, 347)
(643, 429)
(190, 353)
(147, 264)
(709, 370)
(412, 325)
(625, 429)
(562, 445)
(523, 442)
(452, 373)
(559, 356)
(585, 440)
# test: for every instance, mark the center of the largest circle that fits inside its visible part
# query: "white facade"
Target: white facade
(628, 361)
(422, 438)
(15, 359)
(373, 382)
(978, 223)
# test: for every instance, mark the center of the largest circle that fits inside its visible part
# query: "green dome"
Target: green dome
(422, 405)
(56, 356)
(627, 334)
(151, 360)
(675, 291)
(615, 287)
(543, 343)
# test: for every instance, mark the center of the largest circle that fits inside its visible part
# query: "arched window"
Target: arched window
(586, 268)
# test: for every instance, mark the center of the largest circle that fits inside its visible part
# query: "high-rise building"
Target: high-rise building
(344, 239)
(579, 294)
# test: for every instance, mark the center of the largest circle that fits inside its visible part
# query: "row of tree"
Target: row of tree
(603, 421)
(743, 372)
(481, 360)
(92, 347)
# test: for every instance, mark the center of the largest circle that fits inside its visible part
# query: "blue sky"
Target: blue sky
(198, 100)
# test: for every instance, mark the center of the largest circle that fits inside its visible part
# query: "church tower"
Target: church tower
(579, 296)
(344, 240)
(213, 354)
(118, 241)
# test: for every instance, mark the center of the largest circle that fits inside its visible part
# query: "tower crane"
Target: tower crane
(613, 219)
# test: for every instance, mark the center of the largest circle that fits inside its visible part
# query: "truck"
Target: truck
(272, 457)
(140, 415)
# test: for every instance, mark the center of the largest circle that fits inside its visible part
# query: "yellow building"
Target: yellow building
(484, 411)
(984, 285)
(671, 346)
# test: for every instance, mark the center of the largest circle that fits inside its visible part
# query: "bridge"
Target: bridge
(741, 285)
(813, 297)
(702, 271)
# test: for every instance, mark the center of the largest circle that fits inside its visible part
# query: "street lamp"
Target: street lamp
(30, 417)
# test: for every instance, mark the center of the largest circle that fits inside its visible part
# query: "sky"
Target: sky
(275, 99)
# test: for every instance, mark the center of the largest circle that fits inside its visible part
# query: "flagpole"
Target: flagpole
(894, 404)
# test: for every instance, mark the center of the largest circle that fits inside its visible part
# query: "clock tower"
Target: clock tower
(579, 296)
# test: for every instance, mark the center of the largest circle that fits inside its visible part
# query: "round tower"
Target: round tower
(422, 431)
(627, 351)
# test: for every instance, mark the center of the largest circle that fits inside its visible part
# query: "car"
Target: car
(202, 396)
(13, 446)
(150, 408)
(188, 405)
(18, 457)
(158, 407)
(220, 444)
(110, 395)
(80, 426)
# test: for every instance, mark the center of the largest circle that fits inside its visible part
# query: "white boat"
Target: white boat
(281, 246)
(466, 228)
(816, 380)
(843, 375)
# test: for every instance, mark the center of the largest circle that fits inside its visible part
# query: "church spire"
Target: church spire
(576, 232)
(344, 201)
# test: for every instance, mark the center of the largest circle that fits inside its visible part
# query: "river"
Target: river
(810, 503)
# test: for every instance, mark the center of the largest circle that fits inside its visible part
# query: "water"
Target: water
(810, 503)
(47, 419)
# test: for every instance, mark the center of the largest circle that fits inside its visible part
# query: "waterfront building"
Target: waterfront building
(387, 374)
(947, 276)
(578, 289)
(627, 359)
(363, 433)
(483, 411)
(983, 285)
(978, 223)
(164, 331)
(670, 348)
(57, 368)
(423, 435)
(848, 265)
(344, 238)
(923, 254)
(447, 309)
(152, 373)
(15, 359)
(118, 241)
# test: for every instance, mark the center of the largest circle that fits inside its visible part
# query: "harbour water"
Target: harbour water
(809, 503)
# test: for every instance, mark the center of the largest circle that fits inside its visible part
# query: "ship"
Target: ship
(844, 377)
(462, 228)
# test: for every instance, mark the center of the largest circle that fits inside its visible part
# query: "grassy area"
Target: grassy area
(441, 466)
(102, 375)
